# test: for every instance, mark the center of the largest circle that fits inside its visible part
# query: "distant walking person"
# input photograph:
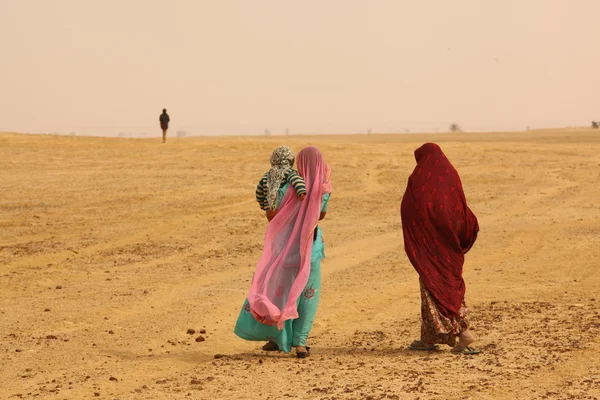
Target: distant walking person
(164, 123)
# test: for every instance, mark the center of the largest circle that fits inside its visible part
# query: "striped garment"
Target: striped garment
(290, 176)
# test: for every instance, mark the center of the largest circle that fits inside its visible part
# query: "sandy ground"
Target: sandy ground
(111, 249)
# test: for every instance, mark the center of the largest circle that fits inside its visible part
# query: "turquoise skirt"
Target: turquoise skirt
(295, 332)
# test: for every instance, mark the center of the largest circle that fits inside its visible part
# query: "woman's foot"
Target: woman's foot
(302, 351)
(464, 340)
(420, 345)
(270, 346)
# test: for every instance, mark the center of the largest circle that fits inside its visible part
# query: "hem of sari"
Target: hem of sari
(251, 338)
(437, 328)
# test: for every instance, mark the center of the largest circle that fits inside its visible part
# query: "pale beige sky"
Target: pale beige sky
(321, 65)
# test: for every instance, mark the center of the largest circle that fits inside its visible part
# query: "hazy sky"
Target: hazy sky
(323, 65)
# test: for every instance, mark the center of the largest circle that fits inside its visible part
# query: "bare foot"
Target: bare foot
(301, 352)
(270, 346)
(465, 339)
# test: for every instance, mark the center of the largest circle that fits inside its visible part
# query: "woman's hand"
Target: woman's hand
(270, 214)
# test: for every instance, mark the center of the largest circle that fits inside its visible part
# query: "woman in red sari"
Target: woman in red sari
(439, 229)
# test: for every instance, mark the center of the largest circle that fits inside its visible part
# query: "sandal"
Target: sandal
(467, 351)
(270, 346)
(418, 345)
(303, 354)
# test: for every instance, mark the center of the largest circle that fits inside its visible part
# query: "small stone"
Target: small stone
(195, 381)
(200, 339)
(161, 381)
(190, 331)
(46, 310)
(217, 356)
(52, 337)
(59, 287)
(203, 331)
(96, 394)
(111, 332)
(112, 378)
(18, 350)
(260, 361)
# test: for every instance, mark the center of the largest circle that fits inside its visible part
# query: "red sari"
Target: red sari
(438, 228)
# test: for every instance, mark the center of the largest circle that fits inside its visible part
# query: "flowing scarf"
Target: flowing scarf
(438, 227)
(284, 267)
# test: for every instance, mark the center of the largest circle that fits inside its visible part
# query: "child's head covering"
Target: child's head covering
(282, 159)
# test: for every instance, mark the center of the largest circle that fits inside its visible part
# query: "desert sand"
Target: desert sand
(111, 249)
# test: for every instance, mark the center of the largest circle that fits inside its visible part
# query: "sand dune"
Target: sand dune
(111, 249)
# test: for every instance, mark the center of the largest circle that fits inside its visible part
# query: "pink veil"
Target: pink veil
(284, 267)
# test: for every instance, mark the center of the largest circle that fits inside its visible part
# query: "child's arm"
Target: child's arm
(261, 195)
(297, 182)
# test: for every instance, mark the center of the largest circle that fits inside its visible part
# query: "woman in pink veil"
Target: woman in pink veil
(286, 286)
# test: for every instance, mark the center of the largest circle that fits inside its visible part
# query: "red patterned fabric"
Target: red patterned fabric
(438, 227)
